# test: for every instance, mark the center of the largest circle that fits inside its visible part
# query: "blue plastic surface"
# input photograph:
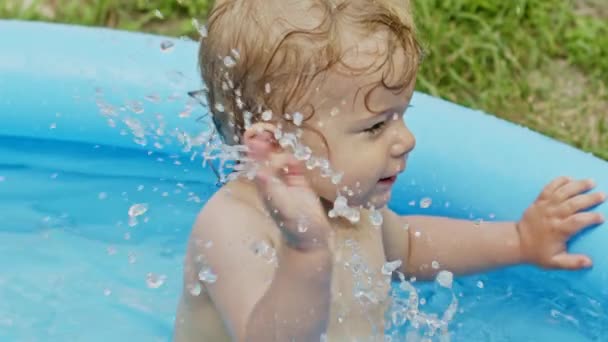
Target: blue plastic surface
(469, 163)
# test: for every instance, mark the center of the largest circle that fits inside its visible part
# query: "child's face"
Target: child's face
(369, 147)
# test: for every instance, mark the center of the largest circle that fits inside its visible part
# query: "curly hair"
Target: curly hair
(264, 55)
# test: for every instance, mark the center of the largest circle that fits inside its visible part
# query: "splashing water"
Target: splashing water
(267, 115)
(201, 29)
(263, 249)
(195, 289)
(426, 202)
(155, 281)
(136, 210)
(445, 279)
(375, 218)
(341, 209)
(302, 225)
(297, 118)
(389, 267)
(229, 62)
(206, 275)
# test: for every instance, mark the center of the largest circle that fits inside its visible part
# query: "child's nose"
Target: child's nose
(404, 143)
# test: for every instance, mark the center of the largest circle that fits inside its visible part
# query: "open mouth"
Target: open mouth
(388, 180)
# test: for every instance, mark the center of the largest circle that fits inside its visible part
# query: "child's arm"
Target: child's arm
(463, 247)
(257, 300)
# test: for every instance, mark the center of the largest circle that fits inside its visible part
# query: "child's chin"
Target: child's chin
(380, 201)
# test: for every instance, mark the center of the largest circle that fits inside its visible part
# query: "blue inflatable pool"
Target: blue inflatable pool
(77, 105)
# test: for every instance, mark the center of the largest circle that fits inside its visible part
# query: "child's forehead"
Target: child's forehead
(361, 73)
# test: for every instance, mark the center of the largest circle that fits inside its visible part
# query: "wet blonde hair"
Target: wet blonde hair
(285, 45)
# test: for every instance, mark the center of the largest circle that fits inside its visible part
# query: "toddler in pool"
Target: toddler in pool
(316, 90)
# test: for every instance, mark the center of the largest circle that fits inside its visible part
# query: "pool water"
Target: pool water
(73, 269)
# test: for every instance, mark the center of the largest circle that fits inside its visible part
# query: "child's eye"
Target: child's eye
(375, 128)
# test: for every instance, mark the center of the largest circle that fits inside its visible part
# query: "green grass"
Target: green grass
(542, 64)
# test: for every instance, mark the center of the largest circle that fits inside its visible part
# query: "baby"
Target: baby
(294, 249)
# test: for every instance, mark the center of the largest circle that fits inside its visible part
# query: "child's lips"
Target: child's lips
(388, 180)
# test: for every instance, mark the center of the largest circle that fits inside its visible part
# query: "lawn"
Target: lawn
(541, 64)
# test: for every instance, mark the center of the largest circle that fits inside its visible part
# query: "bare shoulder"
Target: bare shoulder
(229, 257)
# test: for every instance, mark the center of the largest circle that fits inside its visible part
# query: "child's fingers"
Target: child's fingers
(580, 221)
(570, 261)
(573, 188)
(554, 185)
(581, 202)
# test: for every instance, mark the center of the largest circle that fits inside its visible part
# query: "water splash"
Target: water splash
(135, 211)
(155, 281)
(391, 266)
(375, 218)
(207, 275)
(195, 289)
(426, 202)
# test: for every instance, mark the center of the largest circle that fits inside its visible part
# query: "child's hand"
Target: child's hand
(294, 206)
(553, 218)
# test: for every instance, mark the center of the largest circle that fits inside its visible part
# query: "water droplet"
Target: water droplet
(267, 115)
(406, 226)
(302, 225)
(297, 118)
(2, 178)
(138, 209)
(229, 62)
(235, 53)
(435, 264)
(107, 292)
(445, 279)
(219, 107)
(53, 126)
(208, 244)
(102, 195)
(389, 267)
(375, 217)
(132, 258)
(206, 275)
(195, 289)
(480, 284)
(337, 178)
(267, 88)
(426, 202)
(398, 317)
(201, 29)
(478, 222)
(155, 281)
(302, 152)
(334, 111)
(111, 250)
(422, 301)
(166, 46)
(140, 187)
(417, 234)
(135, 106)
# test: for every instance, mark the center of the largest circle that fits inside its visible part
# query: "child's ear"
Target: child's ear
(260, 140)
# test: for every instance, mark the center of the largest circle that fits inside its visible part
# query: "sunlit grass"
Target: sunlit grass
(542, 64)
